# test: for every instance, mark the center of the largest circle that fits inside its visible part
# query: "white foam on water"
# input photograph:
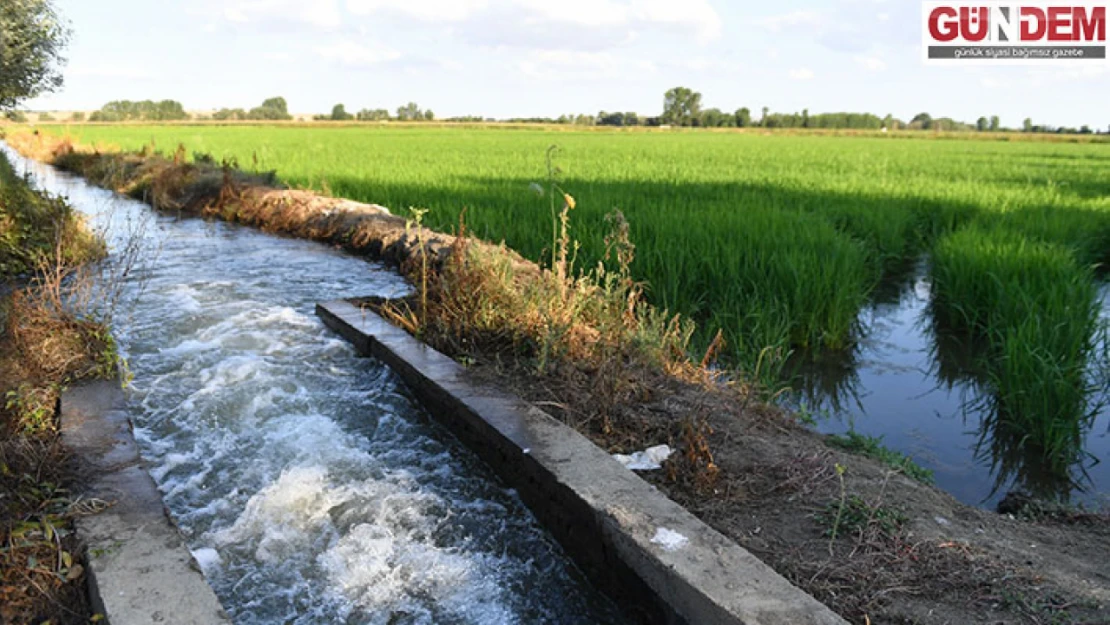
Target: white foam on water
(206, 558)
(183, 297)
(189, 347)
(281, 520)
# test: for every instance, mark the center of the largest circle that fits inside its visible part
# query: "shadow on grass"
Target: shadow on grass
(688, 251)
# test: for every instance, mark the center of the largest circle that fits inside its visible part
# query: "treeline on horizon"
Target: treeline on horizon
(682, 107)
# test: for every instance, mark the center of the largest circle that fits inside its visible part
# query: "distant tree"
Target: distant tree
(743, 117)
(45, 117)
(858, 121)
(32, 38)
(996, 124)
(805, 118)
(888, 122)
(375, 115)
(409, 112)
(714, 118)
(982, 124)
(681, 106)
(1027, 125)
(16, 116)
(605, 118)
(226, 114)
(763, 120)
(429, 116)
(922, 121)
(339, 113)
(144, 110)
(271, 109)
(77, 117)
(947, 124)
(277, 103)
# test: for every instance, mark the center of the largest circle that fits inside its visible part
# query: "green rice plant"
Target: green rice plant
(693, 201)
(770, 278)
(992, 282)
(1086, 232)
(1034, 309)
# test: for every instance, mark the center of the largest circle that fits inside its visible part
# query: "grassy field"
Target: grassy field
(779, 240)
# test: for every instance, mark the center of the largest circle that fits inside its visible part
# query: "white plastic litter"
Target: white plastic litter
(669, 540)
(648, 460)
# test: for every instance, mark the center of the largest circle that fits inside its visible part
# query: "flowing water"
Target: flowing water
(912, 390)
(310, 486)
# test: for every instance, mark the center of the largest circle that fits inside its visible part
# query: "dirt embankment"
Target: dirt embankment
(872, 543)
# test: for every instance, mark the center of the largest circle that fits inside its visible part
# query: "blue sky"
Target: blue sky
(503, 58)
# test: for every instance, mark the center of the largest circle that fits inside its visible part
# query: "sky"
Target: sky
(544, 58)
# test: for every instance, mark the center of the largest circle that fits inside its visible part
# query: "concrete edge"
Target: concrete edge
(139, 567)
(647, 552)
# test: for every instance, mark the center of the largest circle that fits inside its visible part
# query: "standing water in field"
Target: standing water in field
(921, 391)
(309, 485)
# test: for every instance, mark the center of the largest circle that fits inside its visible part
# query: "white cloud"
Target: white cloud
(707, 65)
(778, 23)
(870, 63)
(354, 54)
(849, 26)
(801, 73)
(696, 17)
(578, 65)
(425, 10)
(319, 13)
(110, 71)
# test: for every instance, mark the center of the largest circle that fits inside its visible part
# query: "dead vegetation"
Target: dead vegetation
(48, 339)
(871, 543)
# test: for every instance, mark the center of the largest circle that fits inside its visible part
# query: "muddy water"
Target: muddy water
(310, 486)
(894, 386)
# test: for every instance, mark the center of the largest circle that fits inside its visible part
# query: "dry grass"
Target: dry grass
(589, 338)
(41, 575)
(52, 333)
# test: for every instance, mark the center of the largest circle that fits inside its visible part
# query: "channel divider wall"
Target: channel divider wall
(140, 570)
(658, 561)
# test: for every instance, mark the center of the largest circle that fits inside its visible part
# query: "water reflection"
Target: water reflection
(931, 393)
(1040, 451)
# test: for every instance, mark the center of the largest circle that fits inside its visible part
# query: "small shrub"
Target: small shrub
(854, 516)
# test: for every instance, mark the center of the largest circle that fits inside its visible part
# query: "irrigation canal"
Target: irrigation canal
(313, 489)
(309, 485)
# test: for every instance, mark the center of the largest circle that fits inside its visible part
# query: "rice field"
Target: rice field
(779, 241)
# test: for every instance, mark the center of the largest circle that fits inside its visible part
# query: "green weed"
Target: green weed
(872, 447)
